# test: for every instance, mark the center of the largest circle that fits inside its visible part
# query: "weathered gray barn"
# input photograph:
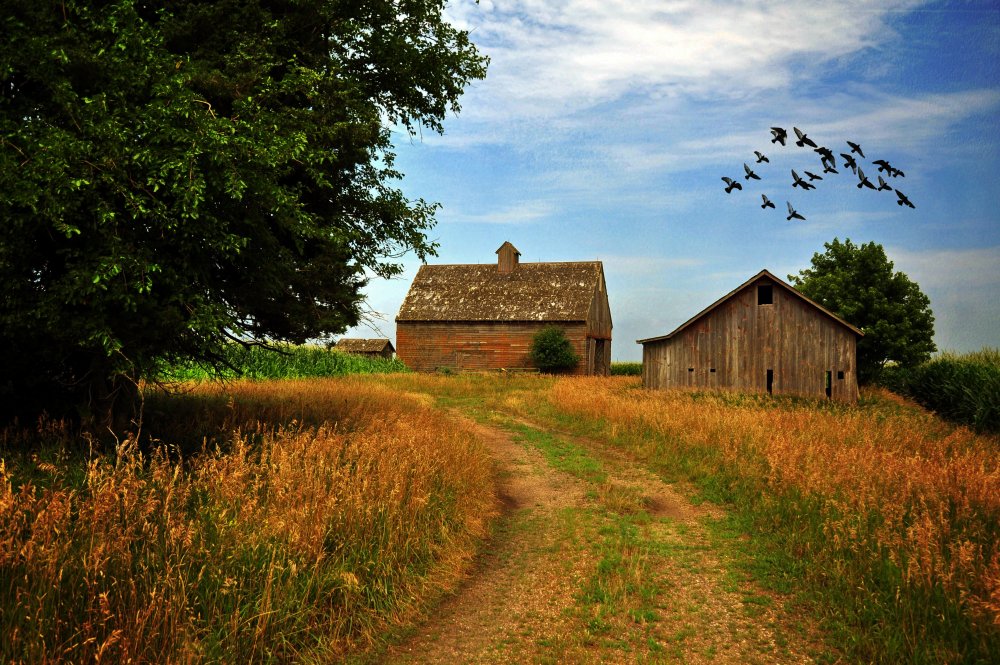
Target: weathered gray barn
(762, 337)
(484, 316)
(380, 347)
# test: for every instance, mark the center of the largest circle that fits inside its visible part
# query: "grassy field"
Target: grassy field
(309, 519)
(320, 515)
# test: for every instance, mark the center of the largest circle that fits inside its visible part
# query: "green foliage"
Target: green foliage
(858, 284)
(285, 362)
(626, 369)
(174, 176)
(551, 351)
(962, 388)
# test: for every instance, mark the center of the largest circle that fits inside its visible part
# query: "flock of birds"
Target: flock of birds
(829, 164)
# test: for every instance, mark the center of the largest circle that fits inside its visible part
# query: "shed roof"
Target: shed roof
(770, 278)
(352, 345)
(560, 291)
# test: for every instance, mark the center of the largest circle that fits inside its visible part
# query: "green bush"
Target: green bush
(551, 351)
(962, 388)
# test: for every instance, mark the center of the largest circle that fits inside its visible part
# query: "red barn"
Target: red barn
(762, 337)
(484, 316)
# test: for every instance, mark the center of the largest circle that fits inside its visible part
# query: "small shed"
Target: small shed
(485, 316)
(764, 336)
(381, 348)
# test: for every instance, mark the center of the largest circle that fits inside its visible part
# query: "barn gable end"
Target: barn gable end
(764, 336)
(477, 316)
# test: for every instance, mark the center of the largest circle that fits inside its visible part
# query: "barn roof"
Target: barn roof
(349, 345)
(560, 291)
(771, 278)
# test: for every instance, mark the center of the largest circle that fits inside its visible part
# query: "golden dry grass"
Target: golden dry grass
(332, 511)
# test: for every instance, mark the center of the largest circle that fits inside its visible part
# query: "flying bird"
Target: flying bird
(863, 181)
(803, 139)
(761, 157)
(882, 185)
(767, 202)
(825, 155)
(813, 176)
(896, 172)
(731, 184)
(856, 148)
(750, 174)
(792, 213)
(799, 182)
(828, 168)
(903, 201)
(849, 162)
(779, 135)
(882, 165)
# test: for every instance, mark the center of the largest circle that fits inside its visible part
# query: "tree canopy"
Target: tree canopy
(177, 175)
(858, 284)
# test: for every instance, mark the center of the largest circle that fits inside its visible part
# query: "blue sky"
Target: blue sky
(603, 128)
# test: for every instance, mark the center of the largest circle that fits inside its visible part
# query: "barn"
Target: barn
(379, 347)
(762, 337)
(484, 316)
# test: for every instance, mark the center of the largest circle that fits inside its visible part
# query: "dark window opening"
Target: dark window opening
(712, 370)
(829, 384)
(770, 381)
(690, 369)
(840, 375)
(765, 294)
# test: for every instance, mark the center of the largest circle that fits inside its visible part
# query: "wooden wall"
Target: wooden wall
(428, 345)
(734, 346)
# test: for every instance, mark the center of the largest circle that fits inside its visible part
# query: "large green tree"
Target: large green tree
(859, 284)
(176, 175)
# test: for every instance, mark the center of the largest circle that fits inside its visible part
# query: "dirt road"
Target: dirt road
(599, 561)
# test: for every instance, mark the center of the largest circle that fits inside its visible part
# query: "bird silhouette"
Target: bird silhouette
(863, 181)
(882, 185)
(896, 173)
(792, 213)
(761, 157)
(825, 155)
(813, 176)
(828, 168)
(803, 139)
(767, 202)
(849, 162)
(856, 148)
(731, 184)
(779, 135)
(750, 174)
(903, 201)
(799, 182)
(882, 165)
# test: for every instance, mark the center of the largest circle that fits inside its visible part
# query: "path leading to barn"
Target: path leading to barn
(598, 561)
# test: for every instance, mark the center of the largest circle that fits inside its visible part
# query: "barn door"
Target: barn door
(600, 362)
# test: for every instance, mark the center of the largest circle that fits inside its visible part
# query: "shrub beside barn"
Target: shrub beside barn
(762, 337)
(484, 316)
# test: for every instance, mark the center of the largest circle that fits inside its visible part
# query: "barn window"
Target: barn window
(840, 375)
(765, 294)
(712, 370)
(690, 369)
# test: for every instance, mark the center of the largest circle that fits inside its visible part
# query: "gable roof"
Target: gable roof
(349, 345)
(560, 291)
(762, 274)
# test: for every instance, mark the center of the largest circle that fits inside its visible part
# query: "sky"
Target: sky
(603, 128)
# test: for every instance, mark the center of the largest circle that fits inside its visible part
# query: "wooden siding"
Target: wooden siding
(426, 346)
(741, 340)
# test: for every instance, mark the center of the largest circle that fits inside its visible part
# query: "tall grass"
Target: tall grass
(286, 361)
(890, 517)
(328, 514)
(963, 388)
